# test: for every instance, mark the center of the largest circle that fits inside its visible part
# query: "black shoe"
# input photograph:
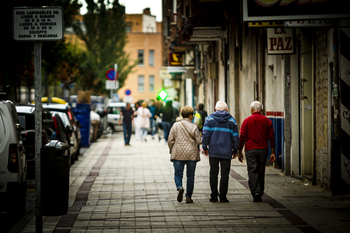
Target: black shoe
(213, 199)
(257, 198)
(180, 194)
(189, 200)
(224, 200)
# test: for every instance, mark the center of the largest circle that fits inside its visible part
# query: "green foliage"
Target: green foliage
(103, 31)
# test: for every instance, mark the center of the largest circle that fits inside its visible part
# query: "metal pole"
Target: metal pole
(115, 76)
(38, 128)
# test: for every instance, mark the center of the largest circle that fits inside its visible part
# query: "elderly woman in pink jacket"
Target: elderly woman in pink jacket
(183, 142)
(143, 114)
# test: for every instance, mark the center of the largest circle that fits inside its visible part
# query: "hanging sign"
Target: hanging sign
(38, 24)
(280, 41)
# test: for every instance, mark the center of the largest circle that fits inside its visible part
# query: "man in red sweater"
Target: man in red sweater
(256, 131)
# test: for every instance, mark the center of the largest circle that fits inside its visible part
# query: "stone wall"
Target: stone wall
(321, 94)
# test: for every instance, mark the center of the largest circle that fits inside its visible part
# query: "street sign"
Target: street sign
(110, 74)
(38, 24)
(127, 92)
(112, 85)
(280, 41)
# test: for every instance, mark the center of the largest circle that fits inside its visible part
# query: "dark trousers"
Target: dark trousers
(127, 132)
(256, 160)
(225, 165)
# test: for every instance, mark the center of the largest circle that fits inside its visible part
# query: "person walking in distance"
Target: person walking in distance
(203, 114)
(221, 136)
(168, 115)
(256, 132)
(143, 114)
(127, 115)
(183, 142)
(153, 109)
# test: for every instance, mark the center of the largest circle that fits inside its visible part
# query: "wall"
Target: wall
(149, 23)
(247, 75)
(145, 41)
(323, 46)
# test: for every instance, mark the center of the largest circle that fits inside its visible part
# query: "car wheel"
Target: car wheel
(110, 129)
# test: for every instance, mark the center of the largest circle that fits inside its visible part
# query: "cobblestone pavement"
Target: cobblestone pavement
(131, 189)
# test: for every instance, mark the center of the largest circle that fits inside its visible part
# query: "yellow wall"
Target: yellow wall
(145, 41)
(137, 40)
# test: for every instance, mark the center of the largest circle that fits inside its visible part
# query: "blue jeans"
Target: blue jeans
(190, 170)
(127, 132)
(166, 128)
(153, 127)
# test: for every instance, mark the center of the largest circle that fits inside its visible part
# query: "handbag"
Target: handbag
(190, 134)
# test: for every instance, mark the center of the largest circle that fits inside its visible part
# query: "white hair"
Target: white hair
(221, 105)
(256, 106)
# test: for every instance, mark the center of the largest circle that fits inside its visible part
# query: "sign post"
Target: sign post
(112, 82)
(38, 25)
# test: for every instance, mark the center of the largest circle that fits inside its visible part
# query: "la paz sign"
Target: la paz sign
(38, 24)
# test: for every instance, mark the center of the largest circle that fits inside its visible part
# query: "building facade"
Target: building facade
(296, 64)
(144, 46)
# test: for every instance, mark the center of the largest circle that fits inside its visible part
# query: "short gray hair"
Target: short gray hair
(221, 105)
(256, 106)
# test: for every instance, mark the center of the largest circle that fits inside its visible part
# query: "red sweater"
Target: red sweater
(256, 131)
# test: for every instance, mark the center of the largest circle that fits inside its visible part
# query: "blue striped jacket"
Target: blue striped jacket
(220, 134)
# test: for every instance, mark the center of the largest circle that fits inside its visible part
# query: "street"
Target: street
(114, 188)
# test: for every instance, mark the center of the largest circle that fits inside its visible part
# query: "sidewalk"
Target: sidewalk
(131, 189)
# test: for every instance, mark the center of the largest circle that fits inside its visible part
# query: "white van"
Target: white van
(13, 166)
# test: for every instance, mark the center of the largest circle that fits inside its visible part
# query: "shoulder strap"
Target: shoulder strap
(187, 131)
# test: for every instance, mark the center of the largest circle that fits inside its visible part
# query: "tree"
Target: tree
(104, 34)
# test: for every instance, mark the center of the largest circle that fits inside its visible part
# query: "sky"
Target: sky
(136, 7)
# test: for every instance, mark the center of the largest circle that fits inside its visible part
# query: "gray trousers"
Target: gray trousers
(256, 160)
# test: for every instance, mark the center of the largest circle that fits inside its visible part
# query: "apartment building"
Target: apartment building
(145, 46)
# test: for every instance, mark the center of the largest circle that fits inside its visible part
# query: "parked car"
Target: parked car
(13, 168)
(60, 132)
(113, 115)
(26, 117)
(74, 124)
(72, 140)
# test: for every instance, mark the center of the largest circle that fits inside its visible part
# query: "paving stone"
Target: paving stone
(131, 189)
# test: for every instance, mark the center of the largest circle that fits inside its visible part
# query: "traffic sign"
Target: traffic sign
(127, 92)
(112, 85)
(110, 74)
(37, 24)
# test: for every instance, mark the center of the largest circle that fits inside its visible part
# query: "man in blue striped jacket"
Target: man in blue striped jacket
(220, 134)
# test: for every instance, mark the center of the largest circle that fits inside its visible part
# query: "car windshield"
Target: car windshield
(114, 110)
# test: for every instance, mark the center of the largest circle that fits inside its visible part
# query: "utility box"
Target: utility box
(55, 167)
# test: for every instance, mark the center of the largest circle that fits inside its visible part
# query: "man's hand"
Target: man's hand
(234, 156)
(205, 152)
(119, 123)
(272, 157)
(240, 157)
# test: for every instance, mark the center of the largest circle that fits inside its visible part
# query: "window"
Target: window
(141, 83)
(151, 57)
(140, 57)
(151, 83)
(128, 27)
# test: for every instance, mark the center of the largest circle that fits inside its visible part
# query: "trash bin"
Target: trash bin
(55, 166)
(82, 113)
